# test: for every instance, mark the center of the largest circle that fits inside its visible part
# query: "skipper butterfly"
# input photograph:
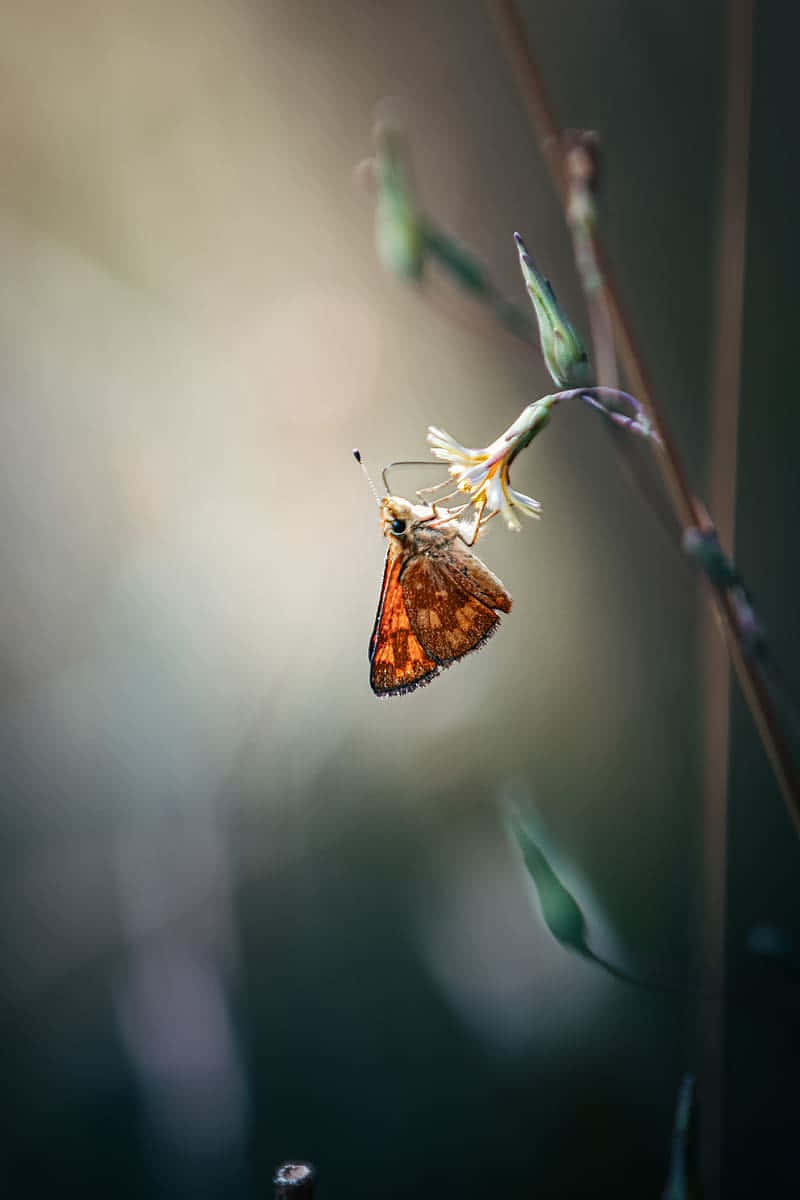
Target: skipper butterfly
(438, 601)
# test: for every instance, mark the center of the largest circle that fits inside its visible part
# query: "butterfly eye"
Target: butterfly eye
(398, 525)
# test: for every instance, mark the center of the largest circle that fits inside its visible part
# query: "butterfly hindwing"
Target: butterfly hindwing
(447, 619)
(476, 578)
(398, 662)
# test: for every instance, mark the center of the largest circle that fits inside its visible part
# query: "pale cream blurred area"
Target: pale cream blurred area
(194, 333)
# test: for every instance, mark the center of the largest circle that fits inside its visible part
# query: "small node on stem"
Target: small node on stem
(582, 158)
(702, 546)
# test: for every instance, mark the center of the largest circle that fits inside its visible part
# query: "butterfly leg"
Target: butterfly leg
(459, 512)
(441, 499)
(428, 491)
(452, 514)
(478, 522)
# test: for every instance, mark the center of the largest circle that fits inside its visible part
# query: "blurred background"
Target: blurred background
(247, 911)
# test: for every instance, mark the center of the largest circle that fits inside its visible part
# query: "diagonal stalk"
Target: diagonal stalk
(689, 511)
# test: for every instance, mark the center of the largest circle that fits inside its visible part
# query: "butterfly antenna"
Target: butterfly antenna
(374, 490)
(410, 462)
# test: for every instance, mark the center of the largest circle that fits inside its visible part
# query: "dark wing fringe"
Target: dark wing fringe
(387, 693)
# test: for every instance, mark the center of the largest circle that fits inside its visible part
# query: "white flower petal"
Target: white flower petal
(473, 477)
(446, 447)
(495, 499)
(531, 507)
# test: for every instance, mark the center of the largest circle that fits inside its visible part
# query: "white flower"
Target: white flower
(483, 474)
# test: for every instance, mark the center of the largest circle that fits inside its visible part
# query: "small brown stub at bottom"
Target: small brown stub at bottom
(294, 1179)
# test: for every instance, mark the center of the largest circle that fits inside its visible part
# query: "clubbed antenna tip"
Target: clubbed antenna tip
(357, 457)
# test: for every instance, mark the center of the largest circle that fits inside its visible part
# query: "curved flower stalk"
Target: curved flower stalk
(606, 399)
(483, 474)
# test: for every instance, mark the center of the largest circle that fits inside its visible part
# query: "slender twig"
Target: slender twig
(458, 261)
(728, 302)
(471, 319)
(583, 169)
(690, 513)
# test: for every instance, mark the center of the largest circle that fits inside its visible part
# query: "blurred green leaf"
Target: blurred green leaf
(560, 911)
(405, 237)
(683, 1182)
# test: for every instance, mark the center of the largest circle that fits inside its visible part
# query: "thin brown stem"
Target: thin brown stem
(688, 510)
(728, 303)
(514, 40)
(582, 164)
(602, 329)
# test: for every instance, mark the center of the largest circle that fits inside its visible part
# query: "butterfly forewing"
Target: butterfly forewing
(391, 559)
(398, 661)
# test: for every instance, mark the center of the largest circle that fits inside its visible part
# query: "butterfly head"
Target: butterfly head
(399, 518)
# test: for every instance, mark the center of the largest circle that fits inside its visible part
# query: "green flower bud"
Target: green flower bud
(563, 351)
(399, 233)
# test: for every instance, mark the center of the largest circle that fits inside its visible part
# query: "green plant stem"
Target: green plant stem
(458, 261)
(689, 511)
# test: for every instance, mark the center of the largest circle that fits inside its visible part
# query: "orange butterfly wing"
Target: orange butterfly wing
(397, 661)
